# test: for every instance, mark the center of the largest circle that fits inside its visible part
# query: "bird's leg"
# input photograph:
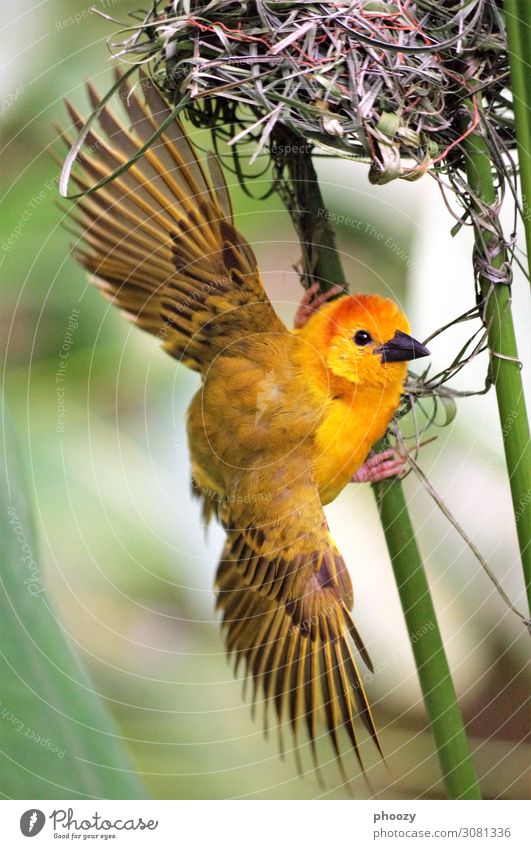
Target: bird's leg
(311, 302)
(380, 466)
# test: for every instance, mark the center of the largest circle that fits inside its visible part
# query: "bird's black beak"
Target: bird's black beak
(400, 348)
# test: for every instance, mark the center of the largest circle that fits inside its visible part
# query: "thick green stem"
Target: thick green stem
(505, 369)
(322, 262)
(432, 666)
(301, 193)
(518, 23)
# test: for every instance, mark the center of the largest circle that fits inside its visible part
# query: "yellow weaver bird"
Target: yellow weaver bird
(283, 419)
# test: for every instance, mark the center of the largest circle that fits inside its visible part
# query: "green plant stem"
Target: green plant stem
(302, 196)
(432, 666)
(518, 23)
(504, 369)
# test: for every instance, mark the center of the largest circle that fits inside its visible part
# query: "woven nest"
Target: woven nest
(397, 83)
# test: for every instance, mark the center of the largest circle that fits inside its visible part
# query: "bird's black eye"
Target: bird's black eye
(361, 337)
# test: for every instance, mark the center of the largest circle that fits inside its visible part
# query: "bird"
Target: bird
(284, 417)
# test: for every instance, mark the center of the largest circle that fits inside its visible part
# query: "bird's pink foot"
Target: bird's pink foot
(311, 302)
(378, 467)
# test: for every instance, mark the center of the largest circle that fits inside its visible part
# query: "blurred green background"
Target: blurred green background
(120, 543)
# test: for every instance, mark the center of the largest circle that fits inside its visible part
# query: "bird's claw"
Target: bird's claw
(311, 302)
(379, 467)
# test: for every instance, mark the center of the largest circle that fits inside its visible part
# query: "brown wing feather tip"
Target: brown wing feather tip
(355, 634)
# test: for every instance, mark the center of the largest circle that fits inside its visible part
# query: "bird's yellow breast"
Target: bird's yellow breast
(348, 431)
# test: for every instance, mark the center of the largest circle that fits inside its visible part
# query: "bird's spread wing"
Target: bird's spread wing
(286, 596)
(160, 238)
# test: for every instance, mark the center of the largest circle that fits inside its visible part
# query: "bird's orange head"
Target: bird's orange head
(364, 339)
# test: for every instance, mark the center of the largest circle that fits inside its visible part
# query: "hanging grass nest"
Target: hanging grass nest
(387, 81)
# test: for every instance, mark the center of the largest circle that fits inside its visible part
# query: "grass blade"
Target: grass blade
(57, 739)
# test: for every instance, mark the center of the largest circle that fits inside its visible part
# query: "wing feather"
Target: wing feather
(285, 596)
(159, 238)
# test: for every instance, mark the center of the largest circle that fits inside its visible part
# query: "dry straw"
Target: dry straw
(372, 79)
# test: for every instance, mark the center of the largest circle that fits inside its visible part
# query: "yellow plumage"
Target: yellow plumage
(282, 420)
